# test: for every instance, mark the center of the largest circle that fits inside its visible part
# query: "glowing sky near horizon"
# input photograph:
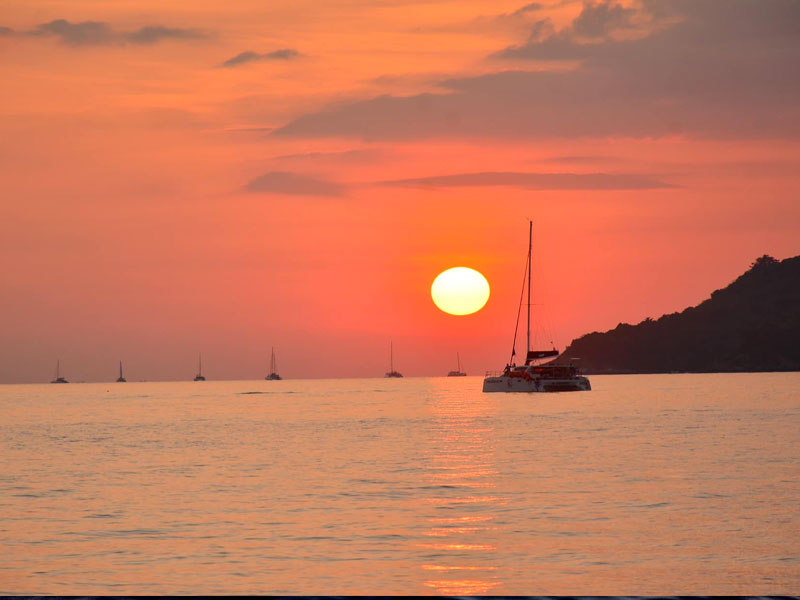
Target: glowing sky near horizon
(193, 177)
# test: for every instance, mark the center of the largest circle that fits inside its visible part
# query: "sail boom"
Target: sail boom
(539, 354)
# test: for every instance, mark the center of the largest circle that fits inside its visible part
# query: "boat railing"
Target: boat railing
(493, 373)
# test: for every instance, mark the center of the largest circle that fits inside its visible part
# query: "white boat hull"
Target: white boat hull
(503, 383)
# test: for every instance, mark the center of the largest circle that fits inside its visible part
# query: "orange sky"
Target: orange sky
(164, 193)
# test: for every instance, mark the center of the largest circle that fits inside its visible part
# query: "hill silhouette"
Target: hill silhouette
(751, 325)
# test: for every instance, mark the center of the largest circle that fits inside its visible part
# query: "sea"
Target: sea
(647, 485)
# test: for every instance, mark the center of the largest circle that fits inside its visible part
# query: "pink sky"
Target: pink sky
(228, 177)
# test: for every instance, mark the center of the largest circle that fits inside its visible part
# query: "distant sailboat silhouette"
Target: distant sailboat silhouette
(273, 368)
(199, 376)
(459, 372)
(121, 379)
(392, 372)
(58, 378)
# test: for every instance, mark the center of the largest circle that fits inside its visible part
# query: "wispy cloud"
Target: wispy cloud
(535, 181)
(528, 8)
(599, 19)
(509, 22)
(77, 34)
(156, 33)
(576, 158)
(283, 182)
(250, 56)
(98, 33)
(721, 30)
(341, 157)
(261, 130)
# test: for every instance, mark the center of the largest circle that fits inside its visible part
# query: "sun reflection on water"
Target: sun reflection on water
(461, 480)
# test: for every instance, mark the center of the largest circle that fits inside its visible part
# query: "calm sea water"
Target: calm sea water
(680, 484)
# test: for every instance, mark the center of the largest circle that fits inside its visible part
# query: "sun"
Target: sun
(460, 291)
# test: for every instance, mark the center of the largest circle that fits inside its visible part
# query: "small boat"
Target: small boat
(121, 379)
(392, 372)
(199, 376)
(273, 369)
(458, 372)
(58, 378)
(532, 377)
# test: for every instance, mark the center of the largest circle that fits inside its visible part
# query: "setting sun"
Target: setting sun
(460, 291)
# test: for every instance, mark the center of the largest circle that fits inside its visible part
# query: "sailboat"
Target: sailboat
(58, 378)
(199, 376)
(532, 377)
(459, 372)
(273, 369)
(392, 372)
(121, 379)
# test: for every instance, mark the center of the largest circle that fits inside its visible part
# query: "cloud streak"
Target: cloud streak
(157, 33)
(250, 56)
(98, 33)
(294, 184)
(535, 181)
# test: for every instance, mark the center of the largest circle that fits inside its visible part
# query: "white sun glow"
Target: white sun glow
(460, 291)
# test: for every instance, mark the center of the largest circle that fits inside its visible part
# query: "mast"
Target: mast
(200, 362)
(272, 365)
(530, 246)
(57, 365)
(120, 369)
(391, 358)
(458, 360)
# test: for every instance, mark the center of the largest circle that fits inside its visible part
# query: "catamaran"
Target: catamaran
(532, 377)
(121, 379)
(58, 378)
(458, 372)
(273, 369)
(199, 376)
(392, 372)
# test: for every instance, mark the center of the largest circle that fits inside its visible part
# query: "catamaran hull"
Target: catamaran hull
(520, 384)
